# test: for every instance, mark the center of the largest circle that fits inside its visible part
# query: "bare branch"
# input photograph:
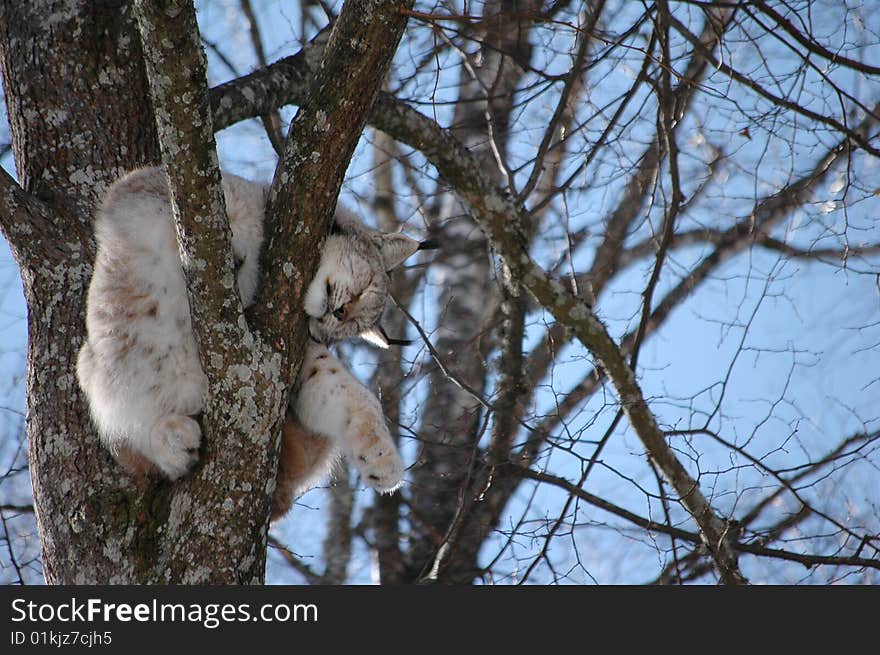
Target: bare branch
(190, 158)
(29, 225)
(283, 82)
(10, 549)
(834, 455)
(295, 562)
(812, 45)
(569, 90)
(272, 120)
(855, 136)
(505, 222)
(807, 559)
(717, 237)
(603, 504)
(666, 130)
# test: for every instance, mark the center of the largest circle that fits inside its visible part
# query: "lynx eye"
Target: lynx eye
(340, 313)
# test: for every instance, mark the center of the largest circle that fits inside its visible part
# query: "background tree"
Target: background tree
(647, 351)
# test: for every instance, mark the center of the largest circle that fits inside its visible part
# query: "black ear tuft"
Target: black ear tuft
(429, 244)
(399, 342)
(394, 342)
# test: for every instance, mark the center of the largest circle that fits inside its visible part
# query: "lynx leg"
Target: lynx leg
(332, 402)
(372, 451)
(134, 463)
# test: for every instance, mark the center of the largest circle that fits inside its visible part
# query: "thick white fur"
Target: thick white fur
(331, 401)
(139, 367)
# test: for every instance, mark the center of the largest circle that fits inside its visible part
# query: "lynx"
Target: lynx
(140, 370)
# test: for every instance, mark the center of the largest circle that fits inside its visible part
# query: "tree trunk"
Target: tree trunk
(79, 115)
(448, 534)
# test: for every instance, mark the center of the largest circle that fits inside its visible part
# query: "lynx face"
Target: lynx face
(352, 309)
(347, 296)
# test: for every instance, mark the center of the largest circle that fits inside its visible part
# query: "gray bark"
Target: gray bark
(94, 524)
(242, 409)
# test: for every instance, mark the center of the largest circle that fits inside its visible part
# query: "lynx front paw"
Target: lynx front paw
(377, 460)
(175, 441)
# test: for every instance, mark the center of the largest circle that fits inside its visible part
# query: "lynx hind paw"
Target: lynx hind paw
(175, 443)
(377, 460)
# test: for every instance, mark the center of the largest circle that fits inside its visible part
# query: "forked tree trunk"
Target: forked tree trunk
(80, 116)
(79, 109)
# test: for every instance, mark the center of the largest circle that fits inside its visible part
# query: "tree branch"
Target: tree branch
(854, 135)
(29, 226)
(814, 46)
(296, 563)
(760, 550)
(601, 503)
(176, 68)
(272, 120)
(765, 215)
(809, 560)
(608, 261)
(240, 409)
(717, 237)
(284, 82)
(504, 222)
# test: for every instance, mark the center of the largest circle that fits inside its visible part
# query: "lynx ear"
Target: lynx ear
(395, 248)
